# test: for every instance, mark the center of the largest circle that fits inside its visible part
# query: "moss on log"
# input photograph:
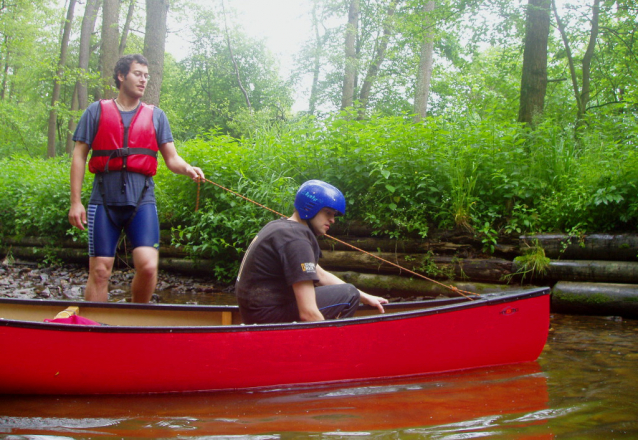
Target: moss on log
(407, 287)
(611, 247)
(601, 299)
(490, 269)
(591, 270)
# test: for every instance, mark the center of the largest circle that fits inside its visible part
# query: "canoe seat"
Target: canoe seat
(68, 312)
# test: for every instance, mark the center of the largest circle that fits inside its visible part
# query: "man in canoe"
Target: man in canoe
(124, 135)
(279, 279)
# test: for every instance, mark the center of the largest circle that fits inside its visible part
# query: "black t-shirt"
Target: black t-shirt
(283, 253)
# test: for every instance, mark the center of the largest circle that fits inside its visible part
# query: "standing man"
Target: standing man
(124, 135)
(278, 275)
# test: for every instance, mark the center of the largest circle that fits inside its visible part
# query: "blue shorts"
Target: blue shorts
(104, 235)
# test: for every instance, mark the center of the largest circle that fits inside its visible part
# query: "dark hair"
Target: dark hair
(123, 66)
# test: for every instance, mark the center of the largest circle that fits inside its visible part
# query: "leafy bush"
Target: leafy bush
(399, 177)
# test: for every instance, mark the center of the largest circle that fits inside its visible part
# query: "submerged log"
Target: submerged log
(600, 299)
(490, 269)
(611, 247)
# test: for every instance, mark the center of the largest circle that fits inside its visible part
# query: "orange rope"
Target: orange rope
(452, 288)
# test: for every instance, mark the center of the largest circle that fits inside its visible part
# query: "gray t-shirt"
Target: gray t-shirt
(121, 188)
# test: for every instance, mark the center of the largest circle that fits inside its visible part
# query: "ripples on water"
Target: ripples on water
(584, 386)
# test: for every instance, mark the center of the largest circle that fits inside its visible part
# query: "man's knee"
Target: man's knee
(146, 261)
(100, 270)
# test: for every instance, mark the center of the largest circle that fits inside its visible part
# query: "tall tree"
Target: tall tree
(379, 55)
(316, 58)
(534, 76)
(88, 25)
(234, 61)
(154, 45)
(127, 26)
(80, 99)
(349, 80)
(55, 95)
(582, 94)
(426, 62)
(109, 49)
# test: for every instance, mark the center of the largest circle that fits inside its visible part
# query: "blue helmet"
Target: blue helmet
(314, 195)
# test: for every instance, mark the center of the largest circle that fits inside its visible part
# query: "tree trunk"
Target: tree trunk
(127, 26)
(534, 77)
(72, 123)
(5, 70)
(314, 89)
(232, 58)
(582, 96)
(110, 45)
(88, 24)
(426, 60)
(347, 95)
(379, 56)
(589, 53)
(154, 44)
(55, 96)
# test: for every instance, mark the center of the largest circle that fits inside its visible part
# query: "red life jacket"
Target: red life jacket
(115, 147)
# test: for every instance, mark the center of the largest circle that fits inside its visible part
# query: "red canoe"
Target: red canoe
(179, 348)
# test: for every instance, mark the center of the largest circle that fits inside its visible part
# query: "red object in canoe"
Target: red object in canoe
(187, 348)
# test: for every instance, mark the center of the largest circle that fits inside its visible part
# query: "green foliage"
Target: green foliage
(532, 263)
(399, 177)
(35, 197)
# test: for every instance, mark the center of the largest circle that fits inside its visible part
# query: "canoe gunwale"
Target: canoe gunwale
(441, 306)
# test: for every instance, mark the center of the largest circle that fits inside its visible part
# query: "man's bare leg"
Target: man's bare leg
(97, 286)
(146, 261)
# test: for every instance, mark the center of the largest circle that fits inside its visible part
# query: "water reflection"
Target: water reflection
(582, 387)
(458, 398)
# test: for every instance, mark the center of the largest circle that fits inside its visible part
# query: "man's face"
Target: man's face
(135, 81)
(321, 222)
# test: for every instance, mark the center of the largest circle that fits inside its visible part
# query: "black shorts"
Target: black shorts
(334, 302)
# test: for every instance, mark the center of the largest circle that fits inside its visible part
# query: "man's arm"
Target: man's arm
(327, 279)
(77, 213)
(306, 301)
(176, 164)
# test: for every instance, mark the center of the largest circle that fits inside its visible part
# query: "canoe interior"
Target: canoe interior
(161, 315)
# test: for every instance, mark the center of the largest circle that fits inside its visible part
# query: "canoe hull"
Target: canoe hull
(58, 359)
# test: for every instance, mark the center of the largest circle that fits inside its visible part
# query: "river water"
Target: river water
(584, 386)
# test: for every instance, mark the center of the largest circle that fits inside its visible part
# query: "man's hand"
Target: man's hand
(374, 301)
(195, 173)
(77, 215)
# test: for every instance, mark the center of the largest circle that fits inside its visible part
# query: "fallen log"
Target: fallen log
(396, 286)
(46, 253)
(43, 242)
(587, 270)
(373, 244)
(489, 269)
(611, 247)
(599, 299)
